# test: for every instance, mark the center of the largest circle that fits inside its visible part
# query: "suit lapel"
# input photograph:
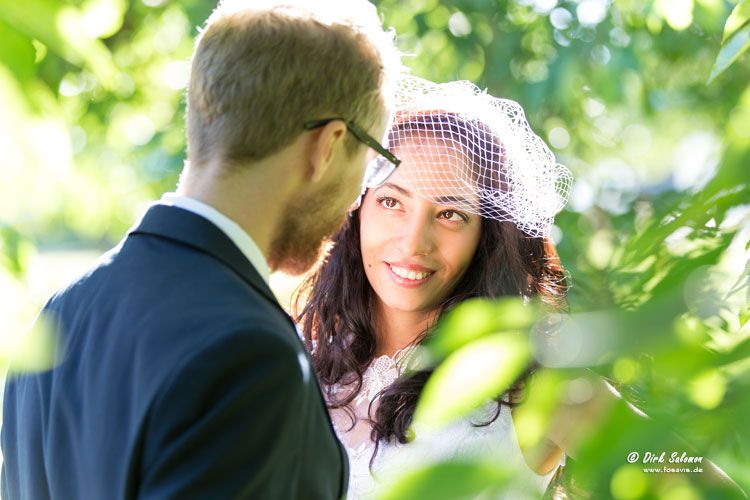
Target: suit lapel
(197, 232)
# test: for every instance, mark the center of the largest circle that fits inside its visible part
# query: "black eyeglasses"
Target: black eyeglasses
(378, 170)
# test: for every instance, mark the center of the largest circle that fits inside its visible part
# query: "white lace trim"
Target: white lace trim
(380, 374)
(460, 439)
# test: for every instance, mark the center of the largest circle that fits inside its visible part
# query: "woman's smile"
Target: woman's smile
(408, 275)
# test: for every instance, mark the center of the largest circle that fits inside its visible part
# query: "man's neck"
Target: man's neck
(254, 203)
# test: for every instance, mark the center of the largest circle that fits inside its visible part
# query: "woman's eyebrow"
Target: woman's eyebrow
(401, 190)
(450, 199)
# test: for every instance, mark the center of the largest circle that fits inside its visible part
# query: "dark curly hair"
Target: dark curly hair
(334, 304)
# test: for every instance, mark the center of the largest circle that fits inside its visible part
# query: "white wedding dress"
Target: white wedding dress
(461, 439)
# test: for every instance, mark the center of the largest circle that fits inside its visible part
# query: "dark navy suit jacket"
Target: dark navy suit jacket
(178, 376)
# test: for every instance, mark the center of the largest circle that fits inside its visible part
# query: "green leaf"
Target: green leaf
(739, 352)
(59, 27)
(448, 481)
(731, 51)
(36, 350)
(476, 318)
(531, 419)
(471, 376)
(744, 316)
(17, 53)
(739, 17)
(13, 250)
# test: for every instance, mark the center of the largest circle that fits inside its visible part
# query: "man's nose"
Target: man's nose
(417, 236)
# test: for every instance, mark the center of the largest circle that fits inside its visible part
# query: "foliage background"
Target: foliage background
(654, 237)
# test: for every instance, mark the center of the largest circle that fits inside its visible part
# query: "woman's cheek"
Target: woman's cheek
(464, 249)
(368, 245)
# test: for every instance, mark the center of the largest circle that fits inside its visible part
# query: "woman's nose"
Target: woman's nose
(417, 237)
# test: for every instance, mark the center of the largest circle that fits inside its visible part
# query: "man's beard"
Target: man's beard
(303, 230)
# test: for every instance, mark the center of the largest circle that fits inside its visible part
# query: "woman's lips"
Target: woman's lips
(408, 277)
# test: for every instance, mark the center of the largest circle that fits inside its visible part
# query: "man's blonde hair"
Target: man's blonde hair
(263, 68)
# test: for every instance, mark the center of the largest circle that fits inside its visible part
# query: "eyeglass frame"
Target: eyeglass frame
(360, 135)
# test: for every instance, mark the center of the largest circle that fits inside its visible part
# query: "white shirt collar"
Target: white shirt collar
(233, 230)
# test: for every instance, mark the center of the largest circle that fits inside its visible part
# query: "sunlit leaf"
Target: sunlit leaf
(737, 19)
(476, 318)
(471, 376)
(17, 53)
(744, 316)
(36, 350)
(730, 51)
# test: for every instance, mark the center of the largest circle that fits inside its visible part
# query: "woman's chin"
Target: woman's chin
(409, 305)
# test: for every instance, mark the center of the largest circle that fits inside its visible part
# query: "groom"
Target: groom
(178, 374)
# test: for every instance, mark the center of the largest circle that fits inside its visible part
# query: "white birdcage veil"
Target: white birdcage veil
(470, 150)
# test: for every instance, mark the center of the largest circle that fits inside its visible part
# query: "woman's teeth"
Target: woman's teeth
(410, 274)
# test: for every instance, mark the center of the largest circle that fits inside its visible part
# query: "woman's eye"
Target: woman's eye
(388, 202)
(453, 216)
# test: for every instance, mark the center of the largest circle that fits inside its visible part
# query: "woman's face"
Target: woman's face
(415, 251)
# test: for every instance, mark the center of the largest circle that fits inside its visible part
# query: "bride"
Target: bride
(466, 214)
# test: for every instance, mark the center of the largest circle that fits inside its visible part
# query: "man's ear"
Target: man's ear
(325, 142)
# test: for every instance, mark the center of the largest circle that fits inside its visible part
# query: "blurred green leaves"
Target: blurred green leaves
(90, 130)
(98, 83)
(67, 31)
